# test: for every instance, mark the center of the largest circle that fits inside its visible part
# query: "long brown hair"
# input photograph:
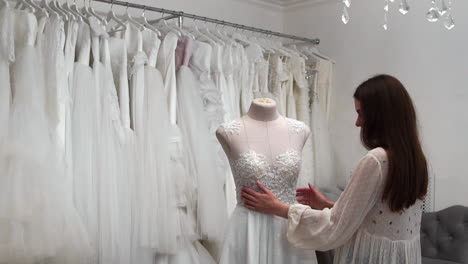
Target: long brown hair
(389, 121)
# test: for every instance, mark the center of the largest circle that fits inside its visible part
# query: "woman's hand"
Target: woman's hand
(313, 198)
(265, 202)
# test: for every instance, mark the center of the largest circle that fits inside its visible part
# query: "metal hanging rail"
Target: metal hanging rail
(207, 19)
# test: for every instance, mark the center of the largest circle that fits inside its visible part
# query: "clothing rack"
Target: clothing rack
(180, 15)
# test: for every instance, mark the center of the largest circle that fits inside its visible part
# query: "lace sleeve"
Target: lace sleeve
(331, 228)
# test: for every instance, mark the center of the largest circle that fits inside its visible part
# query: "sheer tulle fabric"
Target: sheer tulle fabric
(36, 225)
(255, 238)
(194, 126)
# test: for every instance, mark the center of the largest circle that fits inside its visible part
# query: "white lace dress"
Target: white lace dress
(360, 226)
(256, 238)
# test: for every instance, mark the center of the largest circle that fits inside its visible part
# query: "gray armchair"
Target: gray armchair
(444, 238)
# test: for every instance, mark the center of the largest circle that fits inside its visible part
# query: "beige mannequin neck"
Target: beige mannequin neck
(263, 109)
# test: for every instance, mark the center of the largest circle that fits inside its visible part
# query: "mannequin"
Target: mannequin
(264, 147)
(265, 128)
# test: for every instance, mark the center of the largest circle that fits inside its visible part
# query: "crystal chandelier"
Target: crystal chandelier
(439, 10)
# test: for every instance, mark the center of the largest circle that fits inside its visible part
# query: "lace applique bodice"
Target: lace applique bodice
(232, 127)
(280, 177)
(296, 126)
(279, 174)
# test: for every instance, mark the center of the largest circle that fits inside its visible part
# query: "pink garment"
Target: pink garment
(183, 52)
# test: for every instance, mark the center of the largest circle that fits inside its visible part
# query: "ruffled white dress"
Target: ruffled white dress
(36, 225)
(360, 226)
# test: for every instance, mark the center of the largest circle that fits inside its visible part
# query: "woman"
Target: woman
(377, 218)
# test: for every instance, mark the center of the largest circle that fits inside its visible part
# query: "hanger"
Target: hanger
(91, 11)
(48, 9)
(56, 7)
(87, 12)
(166, 27)
(148, 25)
(200, 35)
(76, 16)
(132, 21)
(224, 37)
(111, 16)
(210, 35)
(66, 8)
(314, 51)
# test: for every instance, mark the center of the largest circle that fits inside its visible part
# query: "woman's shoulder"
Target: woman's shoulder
(379, 153)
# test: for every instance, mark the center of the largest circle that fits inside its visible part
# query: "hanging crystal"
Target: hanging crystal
(347, 3)
(433, 14)
(404, 7)
(386, 5)
(385, 24)
(449, 23)
(443, 7)
(345, 15)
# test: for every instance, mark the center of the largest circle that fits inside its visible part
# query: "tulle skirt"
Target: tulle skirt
(35, 225)
(256, 238)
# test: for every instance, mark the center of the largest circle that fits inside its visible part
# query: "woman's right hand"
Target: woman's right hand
(313, 198)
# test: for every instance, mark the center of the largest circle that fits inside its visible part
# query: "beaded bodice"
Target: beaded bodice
(279, 176)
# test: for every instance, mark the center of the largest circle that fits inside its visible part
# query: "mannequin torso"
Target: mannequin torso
(262, 130)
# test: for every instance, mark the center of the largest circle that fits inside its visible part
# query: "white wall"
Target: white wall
(430, 60)
(236, 11)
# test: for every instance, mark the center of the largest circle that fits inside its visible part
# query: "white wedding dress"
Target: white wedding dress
(256, 238)
(35, 225)
(7, 56)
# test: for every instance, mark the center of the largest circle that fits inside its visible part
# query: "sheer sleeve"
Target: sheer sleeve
(330, 228)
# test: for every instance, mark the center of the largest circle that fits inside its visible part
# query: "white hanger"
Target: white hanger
(148, 25)
(75, 9)
(314, 51)
(225, 37)
(111, 16)
(162, 23)
(71, 15)
(211, 35)
(91, 10)
(63, 14)
(200, 36)
(132, 21)
(76, 16)
(48, 9)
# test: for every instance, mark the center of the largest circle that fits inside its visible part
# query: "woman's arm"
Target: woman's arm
(328, 228)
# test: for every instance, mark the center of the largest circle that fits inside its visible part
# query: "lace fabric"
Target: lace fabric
(256, 238)
(360, 226)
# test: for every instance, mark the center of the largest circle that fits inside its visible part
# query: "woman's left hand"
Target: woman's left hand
(265, 202)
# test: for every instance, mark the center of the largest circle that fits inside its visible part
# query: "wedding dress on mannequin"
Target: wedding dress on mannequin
(267, 147)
